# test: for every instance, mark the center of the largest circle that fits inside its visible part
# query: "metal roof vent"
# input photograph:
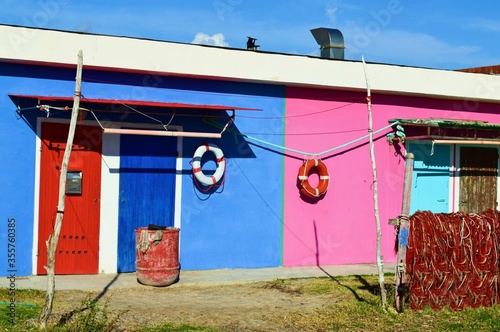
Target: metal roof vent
(330, 41)
(251, 44)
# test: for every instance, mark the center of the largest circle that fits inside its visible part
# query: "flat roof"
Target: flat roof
(126, 54)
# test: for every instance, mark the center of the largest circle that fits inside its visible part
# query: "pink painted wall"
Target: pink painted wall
(340, 228)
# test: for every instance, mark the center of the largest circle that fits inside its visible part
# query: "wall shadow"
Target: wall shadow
(66, 317)
(336, 280)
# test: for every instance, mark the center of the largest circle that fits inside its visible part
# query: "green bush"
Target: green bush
(91, 316)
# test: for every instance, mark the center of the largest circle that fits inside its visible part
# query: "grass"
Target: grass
(355, 306)
(351, 304)
(28, 304)
(88, 316)
(168, 327)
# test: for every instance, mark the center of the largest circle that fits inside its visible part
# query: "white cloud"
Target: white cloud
(484, 24)
(349, 6)
(331, 13)
(409, 48)
(336, 8)
(217, 39)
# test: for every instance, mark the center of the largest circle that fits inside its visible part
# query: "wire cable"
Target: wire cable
(305, 153)
(225, 128)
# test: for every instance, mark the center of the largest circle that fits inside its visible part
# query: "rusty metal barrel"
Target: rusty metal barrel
(157, 256)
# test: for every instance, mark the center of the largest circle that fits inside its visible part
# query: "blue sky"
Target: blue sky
(435, 34)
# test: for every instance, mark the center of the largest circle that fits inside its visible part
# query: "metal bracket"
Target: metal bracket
(400, 267)
(394, 222)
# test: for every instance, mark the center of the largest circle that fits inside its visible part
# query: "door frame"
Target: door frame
(456, 198)
(413, 147)
(454, 195)
(110, 179)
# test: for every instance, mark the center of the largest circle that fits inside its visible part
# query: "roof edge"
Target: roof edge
(43, 47)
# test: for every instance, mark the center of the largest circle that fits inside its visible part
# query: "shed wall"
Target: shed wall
(340, 228)
(256, 218)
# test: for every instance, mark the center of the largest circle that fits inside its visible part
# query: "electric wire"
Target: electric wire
(131, 108)
(305, 153)
(355, 100)
(297, 115)
(165, 126)
(225, 127)
(309, 134)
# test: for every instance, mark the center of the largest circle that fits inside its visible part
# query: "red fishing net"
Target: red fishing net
(452, 259)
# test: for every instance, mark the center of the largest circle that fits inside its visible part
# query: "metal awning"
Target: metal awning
(45, 103)
(448, 131)
(100, 103)
(448, 123)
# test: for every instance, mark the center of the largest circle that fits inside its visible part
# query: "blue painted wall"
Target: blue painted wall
(238, 224)
(431, 177)
(16, 194)
(17, 169)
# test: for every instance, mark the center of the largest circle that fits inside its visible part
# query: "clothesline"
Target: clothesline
(305, 153)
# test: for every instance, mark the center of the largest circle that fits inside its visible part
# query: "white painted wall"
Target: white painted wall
(110, 185)
(59, 48)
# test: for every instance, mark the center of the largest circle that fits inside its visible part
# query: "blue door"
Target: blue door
(147, 190)
(431, 177)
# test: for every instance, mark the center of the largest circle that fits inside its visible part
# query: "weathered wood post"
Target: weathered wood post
(403, 231)
(54, 236)
(380, 262)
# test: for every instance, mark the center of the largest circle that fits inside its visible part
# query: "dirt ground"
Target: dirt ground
(256, 306)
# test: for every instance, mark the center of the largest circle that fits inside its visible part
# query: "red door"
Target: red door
(78, 247)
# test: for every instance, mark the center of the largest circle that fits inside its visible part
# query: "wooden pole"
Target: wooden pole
(403, 232)
(54, 236)
(159, 133)
(380, 263)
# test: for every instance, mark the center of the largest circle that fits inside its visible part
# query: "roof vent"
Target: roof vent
(330, 41)
(251, 44)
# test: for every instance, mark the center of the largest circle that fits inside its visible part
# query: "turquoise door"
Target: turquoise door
(431, 177)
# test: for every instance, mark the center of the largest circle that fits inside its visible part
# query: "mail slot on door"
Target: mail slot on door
(74, 182)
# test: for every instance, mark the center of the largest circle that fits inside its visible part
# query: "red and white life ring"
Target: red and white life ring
(324, 178)
(221, 164)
